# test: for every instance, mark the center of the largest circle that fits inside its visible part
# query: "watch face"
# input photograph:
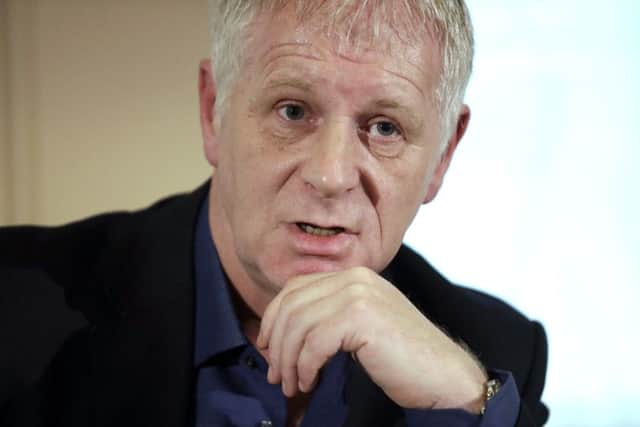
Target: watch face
(491, 389)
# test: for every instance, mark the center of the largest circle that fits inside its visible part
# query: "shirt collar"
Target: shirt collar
(216, 328)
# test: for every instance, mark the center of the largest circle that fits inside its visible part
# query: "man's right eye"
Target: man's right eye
(292, 112)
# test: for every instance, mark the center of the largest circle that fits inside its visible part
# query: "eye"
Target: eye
(383, 129)
(293, 112)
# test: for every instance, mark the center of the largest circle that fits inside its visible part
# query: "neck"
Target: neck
(247, 317)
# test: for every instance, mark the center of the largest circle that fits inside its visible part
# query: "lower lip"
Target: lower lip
(334, 246)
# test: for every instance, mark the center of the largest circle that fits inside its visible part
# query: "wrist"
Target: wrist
(470, 393)
(470, 398)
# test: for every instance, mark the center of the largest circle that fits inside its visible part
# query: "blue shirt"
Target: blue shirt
(232, 388)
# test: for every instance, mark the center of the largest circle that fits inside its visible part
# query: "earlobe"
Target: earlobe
(445, 160)
(207, 94)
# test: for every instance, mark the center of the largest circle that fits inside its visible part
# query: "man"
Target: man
(279, 293)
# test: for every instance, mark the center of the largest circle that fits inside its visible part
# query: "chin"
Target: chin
(308, 265)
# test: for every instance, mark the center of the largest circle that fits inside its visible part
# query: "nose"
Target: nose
(331, 167)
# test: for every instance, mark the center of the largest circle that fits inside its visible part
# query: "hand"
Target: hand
(357, 311)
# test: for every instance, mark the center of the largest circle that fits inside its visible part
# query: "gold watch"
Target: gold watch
(491, 388)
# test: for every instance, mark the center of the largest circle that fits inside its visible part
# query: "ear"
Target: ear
(445, 159)
(207, 92)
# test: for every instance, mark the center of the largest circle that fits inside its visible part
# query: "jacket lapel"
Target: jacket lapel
(143, 356)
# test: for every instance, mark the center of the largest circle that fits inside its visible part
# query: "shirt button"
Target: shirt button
(266, 423)
(250, 361)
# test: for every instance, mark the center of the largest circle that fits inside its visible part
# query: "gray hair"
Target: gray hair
(447, 21)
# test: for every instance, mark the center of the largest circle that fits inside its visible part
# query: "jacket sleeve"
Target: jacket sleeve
(532, 411)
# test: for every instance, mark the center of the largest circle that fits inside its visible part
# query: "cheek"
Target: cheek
(396, 210)
(253, 174)
(401, 197)
(425, 163)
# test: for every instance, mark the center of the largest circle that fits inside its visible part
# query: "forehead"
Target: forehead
(401, 43)
(357, 19)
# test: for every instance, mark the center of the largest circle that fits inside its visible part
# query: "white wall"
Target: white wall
(542, 203)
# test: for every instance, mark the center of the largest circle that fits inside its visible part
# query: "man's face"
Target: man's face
(322, 158)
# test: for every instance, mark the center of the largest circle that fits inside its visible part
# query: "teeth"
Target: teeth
(319, 231)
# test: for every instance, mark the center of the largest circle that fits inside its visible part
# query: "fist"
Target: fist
(357, 311)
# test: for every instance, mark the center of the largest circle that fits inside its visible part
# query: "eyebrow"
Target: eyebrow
(387, 103)
(289, 82)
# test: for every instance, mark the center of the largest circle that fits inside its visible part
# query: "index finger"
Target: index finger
(266, 324)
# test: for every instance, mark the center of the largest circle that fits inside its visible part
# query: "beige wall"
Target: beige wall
(5, 172)
(101, 105)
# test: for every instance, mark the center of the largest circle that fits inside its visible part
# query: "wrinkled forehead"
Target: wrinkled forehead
(355, 26)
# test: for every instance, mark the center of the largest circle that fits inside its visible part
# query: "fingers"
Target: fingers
(320, 345)
(269, 316)
(304, 289)
(301, 367)
(311, 325)
(357, 311)
(313, 330)
(313, 318)
(296, 313)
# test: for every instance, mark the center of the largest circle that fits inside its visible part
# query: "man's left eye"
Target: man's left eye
(383, 129)
(293, 112)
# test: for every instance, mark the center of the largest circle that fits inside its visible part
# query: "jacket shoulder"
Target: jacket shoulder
(498, 334)
(61, 284)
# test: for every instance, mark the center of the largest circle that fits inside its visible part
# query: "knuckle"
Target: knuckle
(358, 291)
(362, 273)
(288, 362)
(294, 319)
(361, 307)
(290, 300)
(288, 305)
(314, 344)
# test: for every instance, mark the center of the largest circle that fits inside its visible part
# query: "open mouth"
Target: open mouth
(314, 230)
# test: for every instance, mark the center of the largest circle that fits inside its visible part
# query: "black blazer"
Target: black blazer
(97, 321)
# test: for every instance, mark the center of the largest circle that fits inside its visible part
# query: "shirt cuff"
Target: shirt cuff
(501, 411)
